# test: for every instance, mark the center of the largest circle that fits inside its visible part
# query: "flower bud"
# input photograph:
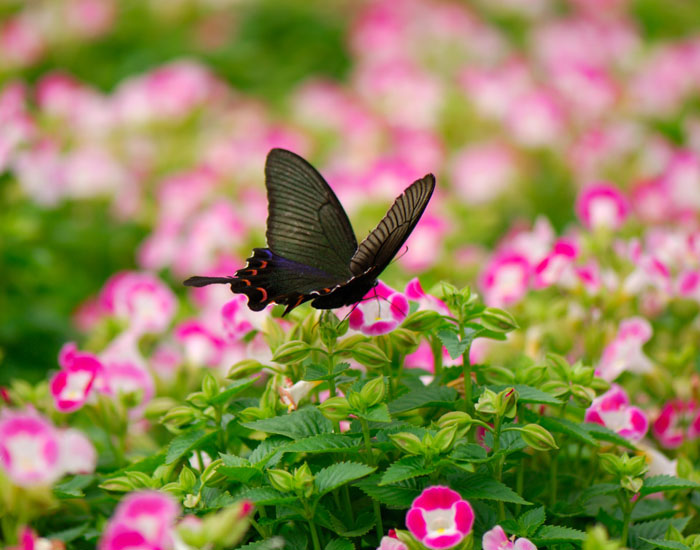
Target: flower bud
(407, 442)
(445, 438)
(197, 399)
(355, 401)
(538, 437)
(335, 408)
(454, 418)
(373, 392)
(347, 344)
(404, 341)
(488, 402)
(632, 484)
(210, 386)
(498, 320)
(422, 320)
(583, 394)
(508, 403)
(191, 501)
(281, 480)
(211, 476)
(369, 355)
(244, 368)
(178, 416)
(291, 352)
(186, 479)
(304, 480)
(120, 484)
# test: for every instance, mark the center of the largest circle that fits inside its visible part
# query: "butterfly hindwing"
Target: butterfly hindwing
(385, 240)
(306, 223)
(271, 278)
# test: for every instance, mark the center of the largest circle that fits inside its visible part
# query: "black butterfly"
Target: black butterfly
(313, 253)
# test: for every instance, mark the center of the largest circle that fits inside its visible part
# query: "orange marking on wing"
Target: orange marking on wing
(252, 272)
(299, 300)
(326, 290)
(264, 293)
(263, 264)
(246, 281)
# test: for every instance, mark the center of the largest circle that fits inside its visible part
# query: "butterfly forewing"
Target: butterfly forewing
(382, 244)
(306, 223)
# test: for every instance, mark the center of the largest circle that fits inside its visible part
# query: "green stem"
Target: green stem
(467, 374)
(314, 534)
(519, 483)
(348, 504)
(370, 461)
(553, 479)
(627, 506)
(498, 468)
(436, 348)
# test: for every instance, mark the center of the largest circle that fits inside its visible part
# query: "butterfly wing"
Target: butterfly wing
(306, 223)
(382, 244)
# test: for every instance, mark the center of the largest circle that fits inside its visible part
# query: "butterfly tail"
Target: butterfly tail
(204, 281)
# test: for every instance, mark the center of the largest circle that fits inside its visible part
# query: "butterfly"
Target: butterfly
(312, 251)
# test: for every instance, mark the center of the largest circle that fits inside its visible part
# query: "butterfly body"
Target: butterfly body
(312, 252)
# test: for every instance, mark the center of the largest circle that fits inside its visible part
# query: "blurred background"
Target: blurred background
(133, 133)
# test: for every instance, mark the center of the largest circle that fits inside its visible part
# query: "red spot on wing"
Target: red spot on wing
(263, 292)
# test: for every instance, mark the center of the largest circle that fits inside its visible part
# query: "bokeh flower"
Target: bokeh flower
(496, 539)
(613, 410)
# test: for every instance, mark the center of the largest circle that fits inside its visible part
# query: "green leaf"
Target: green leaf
(186, 443)
(393, 496)
(666, 544)
(431, 396)
(323, 443)
(237, 469)
(565, 426)
(654, 529)
(528, 394)
(73, 487)
(378, 413)
(601, 433)
(316, 372)
(363, 524)
(339, 474)
(236, 387)
(469, 452)
(340, 544)
(302, 423)
(657, 484)
(557, 534)
(275, 543)
(265, 496)
(455, 346)
(484, 487)
(405, 468)
(531, 520)
(267, 449)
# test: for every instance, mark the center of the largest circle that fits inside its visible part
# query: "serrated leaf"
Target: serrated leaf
(339, 474)
(423, 397)
(469, 452)
(661, 483)
(487, 488)
(275, 543)
(455, 347)
(265, 496)
(231, 390)
(363, 524)
(73, 487)
(655, 529)
(302, 423)
(393, 496)
(378, 413)
(597, 490)
(186, 443)
(323, 443)
(531, 520)
(237, 468)
(602, 433)
(340, 544)
(666, 544)
(557, 534)
(405, 468)
(266, 449)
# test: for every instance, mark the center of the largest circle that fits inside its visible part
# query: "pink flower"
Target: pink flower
(439, 518)
(677, 422)
(415, 293)
(91, 18)
(536, 120)
(71, 386)
(381, 310)
(493, 90)
(30, 448)
(140, 298)
(391, 543)
(658, 463)
(483, 172)
(496, 539)
(682, 179)
(557, 267)
(505, 279)
(612, 410)
(238, 319)
(625, 353)
(424, 247)
(144, 519)
(602, 205)
(292, 393)
(21, 41)
(78, 455)
(201, 345)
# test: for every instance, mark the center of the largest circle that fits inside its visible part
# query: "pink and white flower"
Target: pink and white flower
(482, 172)
(678, 421)
(415, 293)
(30, 448)
(612, 410)
(201, 345)
(625, 353)
(381, 311)
(602, 205)
(536, 119)
(557, 267)
(391, 542)
(143, 519)
(291, 393)
(439, 518)
(496, 539)
(78, 455)
(238, 319)
(71, 386)
(505, 279)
